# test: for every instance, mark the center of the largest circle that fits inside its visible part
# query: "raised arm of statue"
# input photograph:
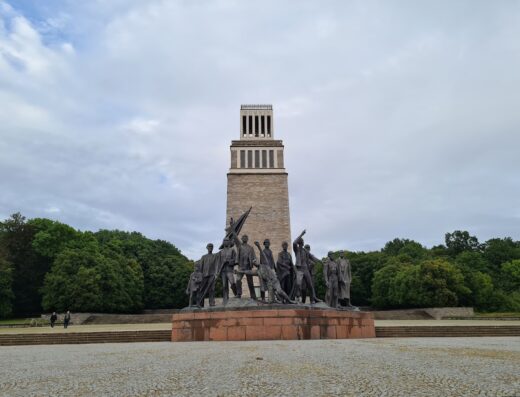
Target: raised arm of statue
(298, 242)
(257, 245)
(262, 256)
(312, 258)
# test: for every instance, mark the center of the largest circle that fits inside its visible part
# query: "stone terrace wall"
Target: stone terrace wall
(272, 324)
(436, 313)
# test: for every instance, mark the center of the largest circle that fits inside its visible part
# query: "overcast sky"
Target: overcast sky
(399, 118)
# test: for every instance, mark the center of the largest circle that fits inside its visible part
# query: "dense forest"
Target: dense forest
(46, 265)
(463, 272)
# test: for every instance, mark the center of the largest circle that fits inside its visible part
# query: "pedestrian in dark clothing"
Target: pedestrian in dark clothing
(54, 317)
(66, 320)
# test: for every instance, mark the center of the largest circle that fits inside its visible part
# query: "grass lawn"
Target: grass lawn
(16, 321)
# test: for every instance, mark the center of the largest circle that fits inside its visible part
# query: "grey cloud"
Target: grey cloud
(399, 119)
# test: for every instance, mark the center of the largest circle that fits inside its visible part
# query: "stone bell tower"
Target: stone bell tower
(257, 178)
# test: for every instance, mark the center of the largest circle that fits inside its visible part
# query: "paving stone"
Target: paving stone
(363, 367)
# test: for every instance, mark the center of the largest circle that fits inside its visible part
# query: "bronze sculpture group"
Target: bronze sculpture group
(284, 281)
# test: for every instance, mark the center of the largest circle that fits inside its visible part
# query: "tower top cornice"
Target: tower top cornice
(256, 107)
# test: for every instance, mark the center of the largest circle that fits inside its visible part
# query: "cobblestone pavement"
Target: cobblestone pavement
(368, 367)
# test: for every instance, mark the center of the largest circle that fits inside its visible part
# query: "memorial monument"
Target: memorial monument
(257, 178)
(258, 210)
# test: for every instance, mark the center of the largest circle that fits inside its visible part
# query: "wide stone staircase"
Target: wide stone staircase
(165, 335)
(85, 337)
(447, 331)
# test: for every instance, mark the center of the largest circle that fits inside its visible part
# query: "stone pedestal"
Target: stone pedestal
(271, 324)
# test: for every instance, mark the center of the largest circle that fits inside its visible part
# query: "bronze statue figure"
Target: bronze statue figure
(285, 269)
(227, 260)
(345, 279)
(266, 258)
(331, 275)
(302, 269)
(268, 276)
(283, 279)
(194, 284)
(312, 262)
(246, 259)
(209, 263)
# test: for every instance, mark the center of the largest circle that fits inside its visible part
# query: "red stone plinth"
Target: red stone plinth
(271, 324)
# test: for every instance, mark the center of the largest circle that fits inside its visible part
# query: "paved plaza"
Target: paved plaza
(369, 367)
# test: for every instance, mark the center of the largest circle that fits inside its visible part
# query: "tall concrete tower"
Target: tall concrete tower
(257, 178)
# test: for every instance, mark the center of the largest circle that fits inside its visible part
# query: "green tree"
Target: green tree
(319, 281)
(439, 251)
(180, 277)
(498, 251)
(431, 283)
(479, 283)
(460, 241)
(158, 260)
(162, 283)
(28, 266)
(434, 283)
(405, 247)
(74, 281)
(472, 261)
(91, 279)
(52, 237)
(364, 265)
(6, 291)
(383, 285)
(121, 282)
(511, 276)
(482, 289)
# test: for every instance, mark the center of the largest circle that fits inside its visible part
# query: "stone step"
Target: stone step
(86, 337)
(447, 331)
(165, 335)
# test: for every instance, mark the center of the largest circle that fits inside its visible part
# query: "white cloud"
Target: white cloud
(142, 126)
(399, 119)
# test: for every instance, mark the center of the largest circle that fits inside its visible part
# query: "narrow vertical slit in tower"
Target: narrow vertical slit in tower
(262, 130)
(242, 159)
(264, 158)
(256, 126)
(271, 158)
(249, 159)
(250, 125)
(268, 125)
(244, 125)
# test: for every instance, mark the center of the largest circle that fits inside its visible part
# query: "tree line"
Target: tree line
(46, 265)
(461, 272)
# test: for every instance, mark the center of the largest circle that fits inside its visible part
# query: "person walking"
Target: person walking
(54, 317)
(66, 320)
